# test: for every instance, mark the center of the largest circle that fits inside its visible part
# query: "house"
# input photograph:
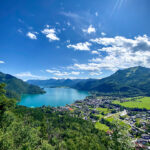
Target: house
(143, 141)
(139, 146)
(145, 136)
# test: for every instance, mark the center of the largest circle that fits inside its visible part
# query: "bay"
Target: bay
(53, 97)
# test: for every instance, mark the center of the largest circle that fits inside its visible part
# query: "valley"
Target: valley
(130, 82)
(105, 113)
(121, 116)
(74, 75)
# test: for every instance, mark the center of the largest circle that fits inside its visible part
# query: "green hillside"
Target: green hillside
(138, 102)
(45, 128)
(128, 82)
(16, 87)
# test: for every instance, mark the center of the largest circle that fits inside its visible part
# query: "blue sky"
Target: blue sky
(43, 39)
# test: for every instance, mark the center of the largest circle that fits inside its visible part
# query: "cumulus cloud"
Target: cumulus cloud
(90, 30)
(2, 62)
(50, 34)
(80, 46)
(59, 73)
(75, 73)
(31, 35)
(140, 43)
(86, 67)
(95, 52)
(51, 71)
(103, 33)
(68, 41)
(95, 73)
(29, 75)
(121, 52)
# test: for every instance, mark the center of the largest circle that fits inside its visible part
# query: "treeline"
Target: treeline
(44, 128)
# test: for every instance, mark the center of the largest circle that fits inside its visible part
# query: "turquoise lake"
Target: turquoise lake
(53, 97)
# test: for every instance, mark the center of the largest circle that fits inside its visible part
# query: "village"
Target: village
(102, 112)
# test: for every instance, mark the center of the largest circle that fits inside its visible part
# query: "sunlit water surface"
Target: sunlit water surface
(53, 97)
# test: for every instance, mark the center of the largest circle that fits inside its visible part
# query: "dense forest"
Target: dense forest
(16, 87)
(128, 82)
(23, 128)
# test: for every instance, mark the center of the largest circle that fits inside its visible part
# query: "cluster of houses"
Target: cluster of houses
(86, 109)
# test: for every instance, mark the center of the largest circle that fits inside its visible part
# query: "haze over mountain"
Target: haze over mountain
(128, 82)
(16, 87)
(58, 82)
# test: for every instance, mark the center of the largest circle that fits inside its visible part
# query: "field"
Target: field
(100, 116)
(103, 110)
(101, 126)
(137, 103)
(113, 120)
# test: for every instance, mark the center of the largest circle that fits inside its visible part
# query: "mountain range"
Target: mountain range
(133, 81)
(16, 87)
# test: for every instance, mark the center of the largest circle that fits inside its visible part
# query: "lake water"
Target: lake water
(53, 97)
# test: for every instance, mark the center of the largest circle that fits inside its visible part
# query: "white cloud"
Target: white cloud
(59, 73)
(47, 26)
(29, 75)
(95, 73)
(120, 41)
(31, 35)
(87, 67)
(20, 30)
(103, 33)
(68, 41)
(80, 46)
(95, 52)
(120, 53)
(123, 52)
(96, 14)
(68, 23)
(50, 34)
(51, 71)
(2, 62)
(90, 30)
(57, 23)
(75, 73)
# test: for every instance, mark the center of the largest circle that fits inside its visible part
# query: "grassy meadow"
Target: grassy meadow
(101, 126)
(136, 103)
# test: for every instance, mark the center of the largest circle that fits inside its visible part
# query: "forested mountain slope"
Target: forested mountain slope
(45, 128)
(128, 82)
(15, 87)
(132, 81)
(58, 82)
